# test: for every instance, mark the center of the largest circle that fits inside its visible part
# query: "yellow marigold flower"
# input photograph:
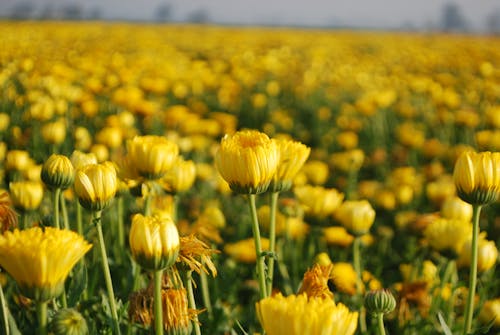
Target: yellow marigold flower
(96, 185)
(337, 236)
(300, 315)
(54, 132)
(477, 177)
(111, 137)
(180, 177)
(454, 208)
(26, 195)
(356, 216)
(315, 282)
(487, 254)
(154, 241)
(317, 172)
(34, 259)
(293, 155)
(347, 161)
(58, 172)
(348, 139)
(344, 277)
(490, 312)
(447, 235)
(152, 156)
(83, 139)
(244, 250)
(318, 202)
(248, 161)
(322, 259)
(17, 160)
(4, 121)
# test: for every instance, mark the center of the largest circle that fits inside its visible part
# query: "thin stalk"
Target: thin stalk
(121, 228)
(380, 323)
(272, 239)
(107, 274)
(157, 302)
(79, 224)
(41, 311)
(357, 267)
(192, 302)
(469, 307)
(258, 247)
(25, 219)
(5, 312)
(205, 293)
(147, 202)
(64, 211)
(55, 203)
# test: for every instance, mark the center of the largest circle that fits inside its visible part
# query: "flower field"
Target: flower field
(184, 179)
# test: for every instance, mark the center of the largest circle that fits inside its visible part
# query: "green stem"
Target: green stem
(105, 268)
(380, 323)
(469, 308)
(64, 211)
(359, 289)
(121, 230)
(192, 302)
(147, 202)
(258, 247)
(272, 239)
(25, 220)
(158, 303)
(205, 293)
(57, 191)
(5, 312)
(352, 178)
(79, 224)
(41, 311)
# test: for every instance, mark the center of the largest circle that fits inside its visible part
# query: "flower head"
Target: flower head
(69, 321)
(96, 185)
(58, 172)
(152, 156)
(318, 202)
(26, 195)
(315, 282)
(8, 217)
(293, 155)
(154, 241)
(380, 301)
(248, 161)
(356, 216)
(477, 177)
(180, 177)
(448, 235)
(300, 315)
(34, 259)
(487, 254)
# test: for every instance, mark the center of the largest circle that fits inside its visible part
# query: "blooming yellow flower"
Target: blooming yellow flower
(316, 171)
(490, 312)
(96, 185)
(300, 315)
(337, 236)
(454, 208)
(17, 160)
(248, 161)
(154, 241)
(244, 250)
(448, 235)
(80, 159)
(26, 195)
(477, 177)
(152, 156)
(54, 132)
(34, 259)
(292, 157)
(58, 172)
(356, 216)
(487, 254)
(318, 202)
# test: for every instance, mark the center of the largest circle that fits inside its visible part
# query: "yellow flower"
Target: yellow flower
(337, 236)
(34, 259)
(490, 312)
(344, 277)
(154, 241)
(487, 254)
(292, 157)
(152, 156)
(96, 185)
(17, 160)
(300, 315)
(318, 202)
(180, 177)
(347, 161)
(26, 195)
(80, 159)
(454, 208)
(316, 171)
(54, 132)
(447, 235)
(244, 250)
(477, 177)
(356, 216)
(248, 161)
(176, 315)
(315, 282)
(58, 172)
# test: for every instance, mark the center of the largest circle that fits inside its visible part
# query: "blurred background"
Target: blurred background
(469, 16)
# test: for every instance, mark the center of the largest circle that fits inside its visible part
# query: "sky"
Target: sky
(365, 13)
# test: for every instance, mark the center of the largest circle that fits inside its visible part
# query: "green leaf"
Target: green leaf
(445, 327)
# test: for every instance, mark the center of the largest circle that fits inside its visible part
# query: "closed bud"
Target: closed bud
(26, 195)
(69, 321)
(380, 301)
(58, 172)
(96, 185)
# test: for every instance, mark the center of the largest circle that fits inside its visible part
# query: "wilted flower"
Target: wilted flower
(8, 217)
(315, 282)
(154, 241)
(196, 255)
(300, 315)
(248, 161)
(96, 185)
(477, 177)
(34, 259)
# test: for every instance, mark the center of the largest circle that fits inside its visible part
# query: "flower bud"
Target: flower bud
(380, 301)
(356, 216)
(58, 172)
(96, 185)
(69, 321)
(26, 195)
(154, 241)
